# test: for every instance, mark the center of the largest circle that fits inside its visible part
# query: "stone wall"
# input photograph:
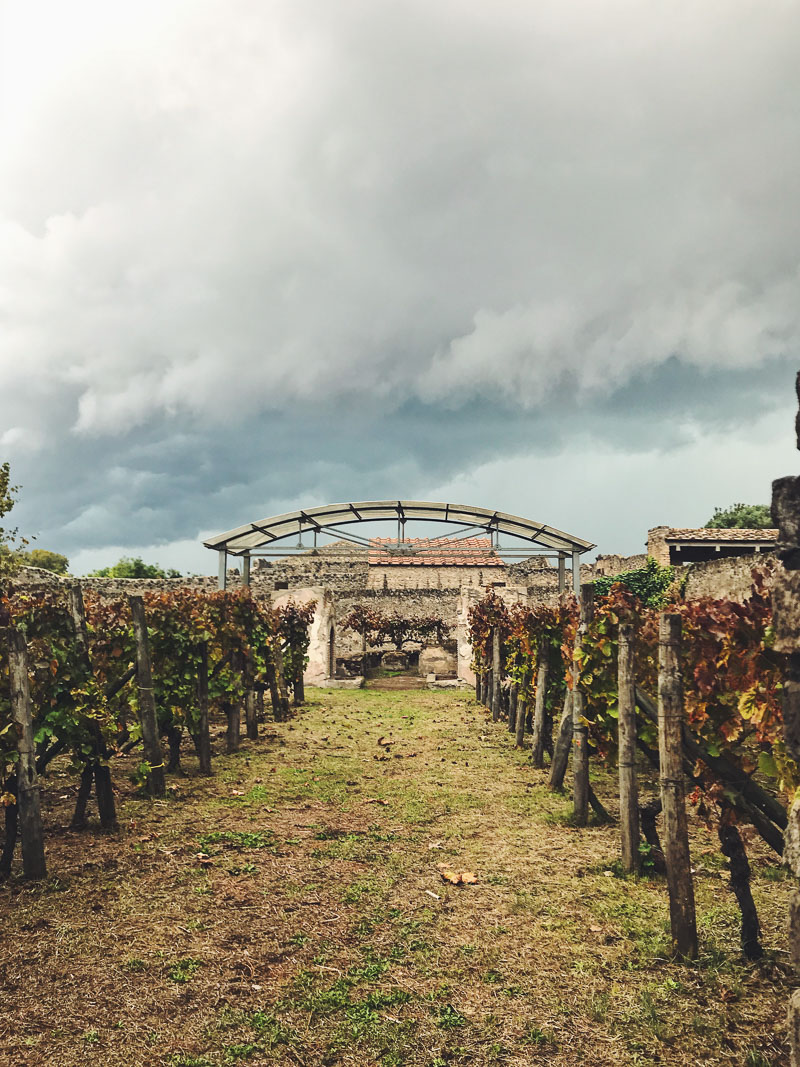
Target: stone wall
(425, 577)
(113, 588)
(608, 566)
(728, 578)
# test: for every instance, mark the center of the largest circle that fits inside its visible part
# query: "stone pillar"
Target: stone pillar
(786, 619)
(657, 546)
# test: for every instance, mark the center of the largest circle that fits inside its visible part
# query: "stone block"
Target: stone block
(791, 851)
(438, 661)
(786, 610)
(394, 661)
(786, 508)
(793, 1022)
(344, 683)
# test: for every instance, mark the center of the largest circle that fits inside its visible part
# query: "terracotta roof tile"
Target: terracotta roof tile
(721, 535)
(434, 552)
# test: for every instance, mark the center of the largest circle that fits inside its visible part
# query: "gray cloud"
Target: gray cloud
(251, 253)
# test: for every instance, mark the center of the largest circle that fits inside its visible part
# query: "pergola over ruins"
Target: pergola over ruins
(530, 538)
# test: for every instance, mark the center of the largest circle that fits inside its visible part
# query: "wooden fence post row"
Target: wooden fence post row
(683, 922)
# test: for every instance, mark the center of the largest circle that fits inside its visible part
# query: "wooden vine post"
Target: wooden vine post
(786, 619)
(280, 680)
(28, 803)
(628, 785)
(272, 683)
(497, 673)
(151, 742)
(580, 732)
(98, 768)
(522, 708)
(203, 738)
(558, 768)
(250, 716)
(683, 922)
(539, 712)
(233, 709)
(487, 676)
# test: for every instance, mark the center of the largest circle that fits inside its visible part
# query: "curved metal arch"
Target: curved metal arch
(255, 535)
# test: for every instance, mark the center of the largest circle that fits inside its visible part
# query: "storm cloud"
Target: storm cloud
(257, 255)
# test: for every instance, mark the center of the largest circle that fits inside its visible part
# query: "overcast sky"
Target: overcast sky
(540, 257)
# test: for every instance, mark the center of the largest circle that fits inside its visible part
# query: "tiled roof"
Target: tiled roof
(434, 552)
(719, 536)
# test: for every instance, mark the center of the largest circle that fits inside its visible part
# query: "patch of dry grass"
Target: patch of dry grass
(290, 911)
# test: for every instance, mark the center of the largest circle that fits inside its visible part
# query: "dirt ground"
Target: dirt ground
(292, 910)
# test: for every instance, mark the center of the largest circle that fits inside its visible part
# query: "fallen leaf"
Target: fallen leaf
(468, 878)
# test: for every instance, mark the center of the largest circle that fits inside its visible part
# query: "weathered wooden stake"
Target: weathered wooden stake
(28, 803)
(233, 718)
(522, 709)
(272, 682)
(537, 753)
(683, 922)
(513, 701)
(478, 677)
(580, 733)
(151, 742)
(250, 698)
(203, 739)
(558, 768)
(628, 786)
(281, 677)
(497, 673)
(298, 686)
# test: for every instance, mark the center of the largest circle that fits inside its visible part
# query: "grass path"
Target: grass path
(291, 911)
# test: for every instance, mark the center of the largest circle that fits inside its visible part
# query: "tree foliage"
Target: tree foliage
(130, 567)
(44, 559)
(394, 628)
(741, 516)
(8, 498)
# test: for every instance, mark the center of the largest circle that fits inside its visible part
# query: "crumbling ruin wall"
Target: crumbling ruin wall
(430, 577)
(729, 578)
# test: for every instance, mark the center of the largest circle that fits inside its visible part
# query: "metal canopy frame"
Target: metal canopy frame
(534, 538)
